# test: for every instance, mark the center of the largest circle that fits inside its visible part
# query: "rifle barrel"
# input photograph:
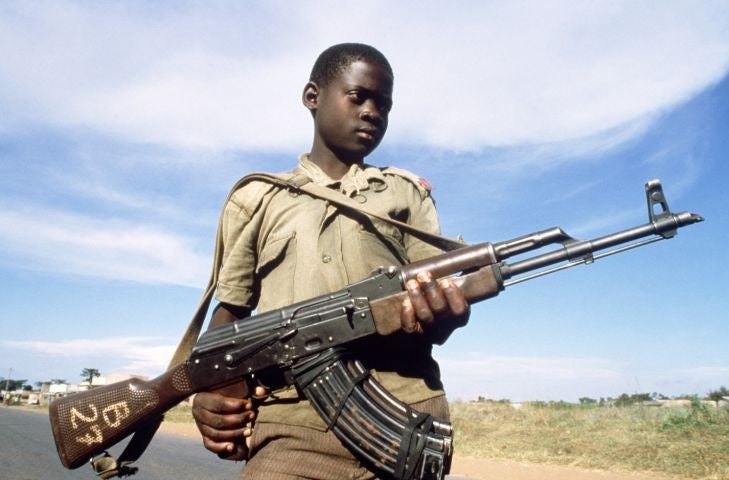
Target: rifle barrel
(581, 251)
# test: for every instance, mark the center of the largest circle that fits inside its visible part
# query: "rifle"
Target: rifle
(306, 345)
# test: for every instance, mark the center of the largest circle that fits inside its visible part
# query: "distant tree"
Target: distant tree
(641, 397)
(625, 400)
(716, 395)
(10, 384)
(587, 401)
(89, 373)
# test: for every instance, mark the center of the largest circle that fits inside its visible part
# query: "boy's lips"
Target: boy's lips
(368, 133)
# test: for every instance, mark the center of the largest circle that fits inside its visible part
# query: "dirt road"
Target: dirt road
(482, 469)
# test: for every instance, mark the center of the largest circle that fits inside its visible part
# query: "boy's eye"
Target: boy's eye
(356, 97)
(384, 104)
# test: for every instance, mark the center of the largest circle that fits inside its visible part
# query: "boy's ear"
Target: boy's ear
(310, 97)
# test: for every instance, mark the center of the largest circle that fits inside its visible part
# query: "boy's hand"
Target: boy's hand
(434, 308)
(225, 420)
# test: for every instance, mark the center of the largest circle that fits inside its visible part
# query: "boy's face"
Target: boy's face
(351, 112)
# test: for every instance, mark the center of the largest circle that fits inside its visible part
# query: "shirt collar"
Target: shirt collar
(358, 177)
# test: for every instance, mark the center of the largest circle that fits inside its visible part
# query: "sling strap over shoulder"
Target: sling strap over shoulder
(301, 183)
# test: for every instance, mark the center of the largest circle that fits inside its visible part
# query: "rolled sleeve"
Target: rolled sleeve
(236, 277)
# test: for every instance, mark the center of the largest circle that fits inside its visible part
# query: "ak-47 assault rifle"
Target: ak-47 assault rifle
(308, 343)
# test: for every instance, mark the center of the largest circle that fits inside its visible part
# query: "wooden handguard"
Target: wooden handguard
(480, 285)
(85, 425)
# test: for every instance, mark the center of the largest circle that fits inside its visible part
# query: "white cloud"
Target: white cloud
(106, 248)
(557, 72)
(132, 355)
(468, 76)
(204, 102)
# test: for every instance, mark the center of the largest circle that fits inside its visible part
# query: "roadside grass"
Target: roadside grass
(684, 442)
(180, 414)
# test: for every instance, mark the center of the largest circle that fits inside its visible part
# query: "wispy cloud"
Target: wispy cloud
(115, 249)
(103, 194)
(609, 222)
(520, 378)
(133, 355)
(572, 71)
(469, 376)
(188, 77)
(553, 368)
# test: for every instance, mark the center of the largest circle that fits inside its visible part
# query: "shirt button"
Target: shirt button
(326, 258)
(359, 198)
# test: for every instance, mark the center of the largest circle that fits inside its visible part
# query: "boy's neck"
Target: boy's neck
(332, 165)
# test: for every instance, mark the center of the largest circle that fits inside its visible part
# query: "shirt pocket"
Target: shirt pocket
(275, 270)
(382, 247)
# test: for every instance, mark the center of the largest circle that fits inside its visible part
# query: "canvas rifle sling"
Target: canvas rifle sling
(301, 183)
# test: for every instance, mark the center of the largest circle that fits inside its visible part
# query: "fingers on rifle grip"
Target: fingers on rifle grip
(407, 317)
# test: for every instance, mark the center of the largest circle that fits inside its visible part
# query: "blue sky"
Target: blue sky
(124, 124)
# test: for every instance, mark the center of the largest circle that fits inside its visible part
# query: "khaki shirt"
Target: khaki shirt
(281, 248)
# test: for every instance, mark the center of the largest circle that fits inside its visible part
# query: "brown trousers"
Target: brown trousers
(285, 452)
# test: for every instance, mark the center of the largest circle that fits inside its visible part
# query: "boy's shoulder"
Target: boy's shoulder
(248, 192)
(421, 185)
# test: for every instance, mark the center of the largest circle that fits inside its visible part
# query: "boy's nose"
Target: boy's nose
(370, 114)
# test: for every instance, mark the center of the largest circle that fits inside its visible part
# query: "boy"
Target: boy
(280, 248)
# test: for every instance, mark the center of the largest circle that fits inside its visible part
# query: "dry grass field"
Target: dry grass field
(691, 443)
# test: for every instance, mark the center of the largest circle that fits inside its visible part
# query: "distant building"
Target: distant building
(107, 379)
(50, 391)
(681, 402)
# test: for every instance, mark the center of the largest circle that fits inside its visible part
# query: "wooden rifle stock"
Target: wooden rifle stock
(87, 423)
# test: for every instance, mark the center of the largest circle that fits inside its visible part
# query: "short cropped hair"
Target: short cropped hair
(333, 61)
